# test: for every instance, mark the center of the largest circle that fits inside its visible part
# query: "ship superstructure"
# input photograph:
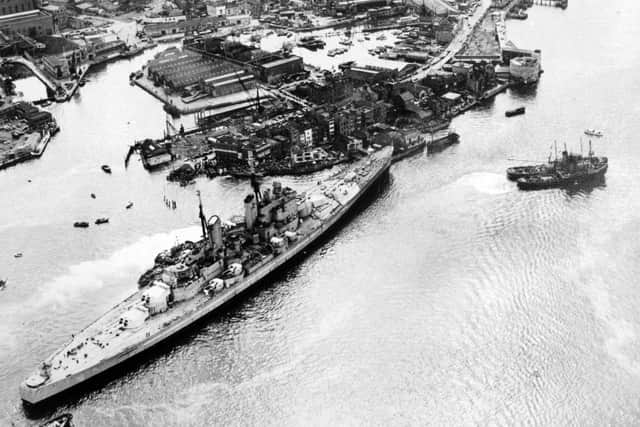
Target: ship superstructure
(194, 278)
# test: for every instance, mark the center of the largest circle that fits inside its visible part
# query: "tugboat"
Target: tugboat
(514, 112)
(81, 224)
(573, 169)
(593, 132)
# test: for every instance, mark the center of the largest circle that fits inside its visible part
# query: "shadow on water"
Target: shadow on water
(524, 92)
(585, 188)
(223, 316)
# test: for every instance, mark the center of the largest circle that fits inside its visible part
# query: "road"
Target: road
(454, 47)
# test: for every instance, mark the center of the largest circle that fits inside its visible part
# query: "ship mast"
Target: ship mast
(203, 220)
(255, 184)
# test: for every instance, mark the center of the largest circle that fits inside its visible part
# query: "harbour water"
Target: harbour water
(451, 299)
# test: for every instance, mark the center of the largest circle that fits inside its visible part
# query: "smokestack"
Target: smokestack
(250, 211)
(215, 232)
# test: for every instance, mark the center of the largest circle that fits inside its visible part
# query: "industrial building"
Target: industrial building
(33, 23)
(369, 74)
(8, 7)
(178, 69)
(274, 69)
(225, 84)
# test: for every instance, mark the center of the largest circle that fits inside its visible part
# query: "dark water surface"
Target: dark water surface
(452, 299)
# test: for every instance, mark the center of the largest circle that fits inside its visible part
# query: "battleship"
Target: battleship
(195, 278)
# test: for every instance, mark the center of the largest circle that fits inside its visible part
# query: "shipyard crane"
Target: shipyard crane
(259, 108)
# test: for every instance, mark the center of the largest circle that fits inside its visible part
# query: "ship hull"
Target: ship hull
(49, 390)
(557, 182)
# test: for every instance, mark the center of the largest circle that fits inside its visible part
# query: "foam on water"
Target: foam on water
(487, 183)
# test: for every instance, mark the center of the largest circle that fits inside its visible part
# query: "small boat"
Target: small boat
(102, 221)
(381, 37)
(106, 168)
(82, 82)
(81, 224)
(93, 196)
(63, 420)
(129, 205)
(593, 132)
(18, 255)
(514, 112)
(3, 284)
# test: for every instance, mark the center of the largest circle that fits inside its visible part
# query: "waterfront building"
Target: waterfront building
(34, 117)
(56, 65)
(227, 150)
(308, 156)
(102, 45)
(154, 155)
(165, 28)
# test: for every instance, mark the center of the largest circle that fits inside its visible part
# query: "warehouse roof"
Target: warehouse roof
(278, 62)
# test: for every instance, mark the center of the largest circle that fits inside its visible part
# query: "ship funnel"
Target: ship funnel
(215, 232)
(250, 211)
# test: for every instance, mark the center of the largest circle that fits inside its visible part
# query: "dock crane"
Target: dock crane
(258, 107)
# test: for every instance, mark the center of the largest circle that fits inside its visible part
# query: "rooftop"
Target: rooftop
(278, 62)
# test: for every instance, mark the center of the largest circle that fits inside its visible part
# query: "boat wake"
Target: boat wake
(487, 183)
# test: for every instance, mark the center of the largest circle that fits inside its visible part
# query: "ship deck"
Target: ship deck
(105, 339)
